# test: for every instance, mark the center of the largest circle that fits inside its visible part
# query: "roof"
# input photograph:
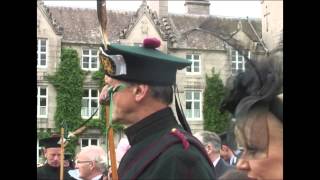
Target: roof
(81, 25)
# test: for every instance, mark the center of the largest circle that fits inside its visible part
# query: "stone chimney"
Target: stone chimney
(198, 7)
(160, 6)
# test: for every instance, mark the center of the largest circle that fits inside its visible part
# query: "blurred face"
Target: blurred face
(123, 101)
(84, 165)
(264, 163)
(53, 156)
(224, 152)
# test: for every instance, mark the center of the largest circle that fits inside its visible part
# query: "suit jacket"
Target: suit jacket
(47, 172)
(222, 167)
(173, 163)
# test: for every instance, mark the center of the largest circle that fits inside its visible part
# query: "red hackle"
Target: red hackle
(151, 43)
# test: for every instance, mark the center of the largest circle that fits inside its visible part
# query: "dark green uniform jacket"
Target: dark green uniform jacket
(47, 172)
(174, 162)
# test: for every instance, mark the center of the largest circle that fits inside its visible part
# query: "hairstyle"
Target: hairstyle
(234, 174)
(97, 154)
(208, 137)
(163, 93)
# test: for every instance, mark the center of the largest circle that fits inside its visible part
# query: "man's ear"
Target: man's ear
(140, 91)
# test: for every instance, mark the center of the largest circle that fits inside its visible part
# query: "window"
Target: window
(238, 62)
(195, 63)
(42, 102)
(193, 105)
(90, 60)
(89, 103)
(42, 53)
(89, 142)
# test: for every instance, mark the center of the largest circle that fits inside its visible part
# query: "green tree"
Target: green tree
(68, 82)
(214, 120)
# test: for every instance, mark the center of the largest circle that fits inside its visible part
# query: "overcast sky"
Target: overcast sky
(251, 8)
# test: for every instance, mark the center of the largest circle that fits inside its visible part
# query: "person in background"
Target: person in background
(91, 162)
(257, 107)
(52, 151)
(212, 144)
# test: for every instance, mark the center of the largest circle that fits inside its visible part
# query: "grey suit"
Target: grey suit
(222, 167)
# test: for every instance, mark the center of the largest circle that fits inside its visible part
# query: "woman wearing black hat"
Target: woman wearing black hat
(254, 99)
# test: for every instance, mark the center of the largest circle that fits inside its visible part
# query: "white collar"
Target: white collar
(215, 162)
(97, 177)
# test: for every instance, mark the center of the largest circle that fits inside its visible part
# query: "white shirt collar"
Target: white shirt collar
(215, 162)
(97, 177)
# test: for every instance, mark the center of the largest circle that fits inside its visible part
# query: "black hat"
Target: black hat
(50, 142)
(143, 64)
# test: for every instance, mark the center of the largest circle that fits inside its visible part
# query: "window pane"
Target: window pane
(233, 65)
(43, 111)
(43, 62)
(188, 95)
(43, 42)
(196, 105)
(94, 52)
(43, 102)
(93, 62)
(43, 49)
(84, 142)
(188, 113)
(85, 102)
(188, 56)
(188, 68)
(43, 56)
(197, 113)
(94, 103)
(197, 95)
(94, 142)
(94, 93)
(85, 65)
(188, 105)
(196, 57)
(43, 91)
(85, 52)
(233, 52)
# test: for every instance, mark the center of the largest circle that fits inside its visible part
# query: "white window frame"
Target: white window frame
(192, 118)
(38, 102)
(39, 52)
(238, 61)
(38, 149)
(90, 56)
(90, 98)
(193, 60)
(89, 141)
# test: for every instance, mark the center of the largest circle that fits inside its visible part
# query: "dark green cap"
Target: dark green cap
(143, 64)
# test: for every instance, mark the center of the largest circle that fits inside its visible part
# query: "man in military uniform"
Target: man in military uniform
(141, 80)
(52, 152)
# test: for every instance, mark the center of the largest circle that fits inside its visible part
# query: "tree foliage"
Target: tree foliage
(214, 120)
(68, 82)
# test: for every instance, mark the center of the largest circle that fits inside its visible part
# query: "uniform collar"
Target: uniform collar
(161, 120)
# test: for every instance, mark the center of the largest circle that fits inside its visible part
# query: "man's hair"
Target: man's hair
(210, 138)
(163, 93)
(97, 154)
